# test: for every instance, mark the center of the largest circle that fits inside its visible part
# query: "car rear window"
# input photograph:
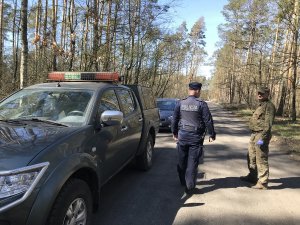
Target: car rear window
(166, 105)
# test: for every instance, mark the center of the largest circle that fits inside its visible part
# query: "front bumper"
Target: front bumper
(18, 215)
(165, 124)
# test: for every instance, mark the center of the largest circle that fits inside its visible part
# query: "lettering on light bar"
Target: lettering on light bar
(84, 76)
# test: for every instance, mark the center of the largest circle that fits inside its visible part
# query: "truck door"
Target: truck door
(109, 138)
(131, 130)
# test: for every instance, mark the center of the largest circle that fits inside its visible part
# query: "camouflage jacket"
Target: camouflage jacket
(263, 117)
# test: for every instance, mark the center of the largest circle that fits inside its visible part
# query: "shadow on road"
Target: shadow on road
(220, 183)
(235, 182)
(222, 152)
(286, 182)
(154, 197)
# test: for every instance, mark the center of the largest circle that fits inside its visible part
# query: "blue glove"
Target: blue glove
(260, 142)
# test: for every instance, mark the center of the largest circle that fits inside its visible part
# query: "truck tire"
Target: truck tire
(73, 204)
(144, 161)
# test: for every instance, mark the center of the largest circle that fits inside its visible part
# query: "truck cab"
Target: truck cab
(61, 141)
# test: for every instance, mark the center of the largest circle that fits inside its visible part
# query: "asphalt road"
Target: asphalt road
(154, 197)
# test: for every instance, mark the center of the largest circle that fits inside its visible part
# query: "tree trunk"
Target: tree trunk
(295, 59)
(97, 31)
(24, 51)
(83, 50)
(1, 42)
(106, 65)
(72, 25)
(15, 44)
(54, 43)
(274, 50)
(138, 53)
(64, 24)
(132, 29)
(114, 35)
(232, 77)
(36, 39)
(284, 73)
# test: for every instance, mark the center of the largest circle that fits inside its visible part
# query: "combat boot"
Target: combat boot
(249, 179)
(188, 193)
(260, 186)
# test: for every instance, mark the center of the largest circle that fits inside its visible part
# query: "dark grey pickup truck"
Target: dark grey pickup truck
(61, 141)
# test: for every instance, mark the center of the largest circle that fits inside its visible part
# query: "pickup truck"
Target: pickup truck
(61, 141)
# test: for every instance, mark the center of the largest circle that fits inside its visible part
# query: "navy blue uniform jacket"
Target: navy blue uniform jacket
(192, 112)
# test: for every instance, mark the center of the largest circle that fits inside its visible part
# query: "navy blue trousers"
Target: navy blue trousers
(189, 153)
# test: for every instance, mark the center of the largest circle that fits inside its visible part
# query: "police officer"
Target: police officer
(191, 119)
(258, 150)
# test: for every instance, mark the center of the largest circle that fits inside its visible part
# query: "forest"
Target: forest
(258, 45)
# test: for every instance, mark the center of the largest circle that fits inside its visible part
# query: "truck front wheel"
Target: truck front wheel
(144, 161)
(73, 204)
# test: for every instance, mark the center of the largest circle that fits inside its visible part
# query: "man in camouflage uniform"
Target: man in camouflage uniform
(260, 125)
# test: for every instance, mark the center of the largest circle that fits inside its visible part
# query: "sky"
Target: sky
(191, 10)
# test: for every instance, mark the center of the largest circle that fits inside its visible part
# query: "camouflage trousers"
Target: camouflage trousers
(258, 157)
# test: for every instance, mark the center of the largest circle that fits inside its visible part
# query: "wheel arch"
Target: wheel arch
(73, 167)
(153, 134)
(90, 177)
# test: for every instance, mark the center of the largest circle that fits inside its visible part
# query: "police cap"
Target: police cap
(195, 86)
(263, 90)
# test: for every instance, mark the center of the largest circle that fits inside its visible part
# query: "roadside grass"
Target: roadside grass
(286, 128)
(285, 132)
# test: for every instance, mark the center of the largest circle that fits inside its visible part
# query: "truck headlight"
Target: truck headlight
(16, 185)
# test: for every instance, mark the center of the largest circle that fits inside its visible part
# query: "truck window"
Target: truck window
(127, 102)
(108, 101)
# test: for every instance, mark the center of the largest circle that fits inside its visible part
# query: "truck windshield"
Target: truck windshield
(62, 106)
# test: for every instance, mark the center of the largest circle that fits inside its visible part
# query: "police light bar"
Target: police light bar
(84, 76)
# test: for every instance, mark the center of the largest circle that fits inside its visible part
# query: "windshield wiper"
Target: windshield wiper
(13, 121)
(47, 121)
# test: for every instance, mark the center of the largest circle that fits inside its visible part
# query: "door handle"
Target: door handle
(124, 128)
(140, 119)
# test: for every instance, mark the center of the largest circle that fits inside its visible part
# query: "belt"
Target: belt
(189, 128)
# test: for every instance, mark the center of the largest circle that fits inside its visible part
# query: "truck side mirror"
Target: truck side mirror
(111, 117)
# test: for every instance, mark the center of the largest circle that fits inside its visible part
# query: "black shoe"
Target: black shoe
(249, 179)
(190, 191)
(187, 193)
